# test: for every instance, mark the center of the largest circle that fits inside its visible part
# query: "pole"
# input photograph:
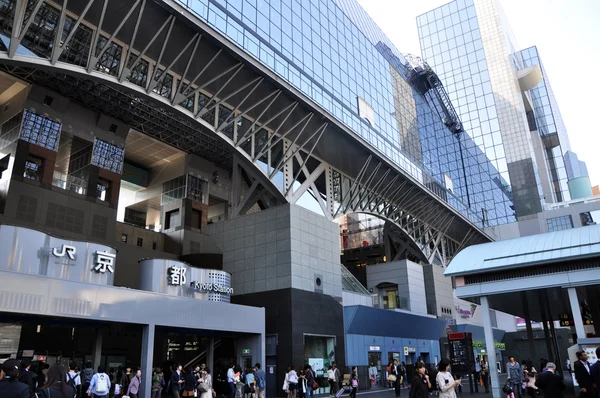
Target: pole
(527, 314)
(491, 348)
(576, 311)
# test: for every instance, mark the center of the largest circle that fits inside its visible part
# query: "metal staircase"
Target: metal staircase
(201, 358)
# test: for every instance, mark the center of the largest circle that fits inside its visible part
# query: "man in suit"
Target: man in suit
(551, 383)
(396, 371)
(583, 376)
(595, 372)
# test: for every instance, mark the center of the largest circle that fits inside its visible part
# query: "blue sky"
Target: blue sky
(567, 35)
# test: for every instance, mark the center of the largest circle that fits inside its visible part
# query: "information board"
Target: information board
(461, 352)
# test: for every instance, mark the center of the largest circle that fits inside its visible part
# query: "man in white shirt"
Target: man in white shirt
(231, 381)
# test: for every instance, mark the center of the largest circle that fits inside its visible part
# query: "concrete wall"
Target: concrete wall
(279, 248)
(409, 278)
(438, 289)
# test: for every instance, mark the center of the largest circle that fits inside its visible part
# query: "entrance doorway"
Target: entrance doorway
(375, 367)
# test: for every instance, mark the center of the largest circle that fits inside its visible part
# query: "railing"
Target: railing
(69, 183)
(351, 284)
(560, 205)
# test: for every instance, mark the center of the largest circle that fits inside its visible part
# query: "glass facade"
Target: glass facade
(559, 223)
(549, 124)
(335, 54)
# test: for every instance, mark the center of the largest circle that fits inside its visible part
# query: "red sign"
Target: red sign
(459, 336)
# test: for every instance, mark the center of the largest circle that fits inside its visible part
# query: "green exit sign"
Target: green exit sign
(245, 351)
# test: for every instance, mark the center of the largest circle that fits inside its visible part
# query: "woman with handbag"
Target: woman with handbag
(134, 385)
(293, 382)
(354, 382)
(205, 384)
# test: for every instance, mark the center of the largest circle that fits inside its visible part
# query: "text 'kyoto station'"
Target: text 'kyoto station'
(275, 198)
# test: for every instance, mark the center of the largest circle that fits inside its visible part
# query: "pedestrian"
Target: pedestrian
(260, 376)
(56, 385)
(125, 381)
(485, 375)
(551, 383)
(338, 377)
(331, 380)
(176, 380)
(311, 382)
(88, 373)
(445, 381)
(595, 371)
(420, 384)
(189, 382)
(403, 375)
(73, 378)
(134, 386)
(530, 375)
(301, 384)
(583, 375)
(10, 386)
(158, 382)
(515, 376)
(292, 382)
(396, 371)
(28, 377)
(231, 381)
(205, 386)
(100, 384)
(250, 383)
(354, 382)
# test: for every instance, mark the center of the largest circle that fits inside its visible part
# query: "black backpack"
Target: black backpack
(71, 380)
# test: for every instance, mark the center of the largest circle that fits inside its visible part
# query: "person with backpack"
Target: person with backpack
(56, 386)
(28, 377)
(86, 378)
(73, 378)
(10, 386)
(100, 384)
(259, 376)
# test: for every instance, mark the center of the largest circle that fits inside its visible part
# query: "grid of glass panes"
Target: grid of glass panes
(165, 86)
(40, 130)
(39, 38)
(77, 50)
(139, 74)
(547, 116)
(108, 156)
(559, 223)
(451, 43)
(194, 188)
(111, 58)
(173, 190)
(223, 279)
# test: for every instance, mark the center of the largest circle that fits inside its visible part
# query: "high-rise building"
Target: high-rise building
(503, 97)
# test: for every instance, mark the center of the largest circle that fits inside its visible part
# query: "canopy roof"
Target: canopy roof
(552, 247)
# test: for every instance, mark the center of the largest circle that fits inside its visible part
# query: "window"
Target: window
(123, 238)
(448, 182)
(102, 189)
(111, 58)
(559, 223)
(154, 245)
(108, 156)
(33, 168)
(135, 217)
(140, 242)
(172, 219)
(40, 130)
(194, 188)
(366, 111)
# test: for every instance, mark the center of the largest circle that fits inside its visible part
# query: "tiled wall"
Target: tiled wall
(280, 248)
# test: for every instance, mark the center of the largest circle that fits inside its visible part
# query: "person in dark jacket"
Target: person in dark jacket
(550, 383)
(583, 375)
(10, 386)
(28, 377)
(189, 382)
(56, 386)
(420, 384)
(86, 378)
(176, 381)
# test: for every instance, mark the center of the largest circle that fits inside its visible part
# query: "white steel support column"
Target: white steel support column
(147, 359)
(576, 311)
(490, 346)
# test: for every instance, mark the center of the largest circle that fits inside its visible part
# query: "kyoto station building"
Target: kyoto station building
(177, 174)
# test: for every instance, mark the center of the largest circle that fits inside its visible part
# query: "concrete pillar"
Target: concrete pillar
(146, 360)
(490, 346)
(576, 311)
(97, 349)
(210, 354)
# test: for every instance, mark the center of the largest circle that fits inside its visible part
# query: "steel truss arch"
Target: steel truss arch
(167, 74)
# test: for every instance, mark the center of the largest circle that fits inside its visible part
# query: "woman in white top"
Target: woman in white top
(445, 381)
(205, 385)
(293, 382)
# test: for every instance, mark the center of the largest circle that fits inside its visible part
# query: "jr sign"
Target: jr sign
(65, 250)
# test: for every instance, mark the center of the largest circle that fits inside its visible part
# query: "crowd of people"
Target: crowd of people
(249, 383)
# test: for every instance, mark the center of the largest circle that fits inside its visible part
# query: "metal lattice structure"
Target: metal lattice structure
(158, 68)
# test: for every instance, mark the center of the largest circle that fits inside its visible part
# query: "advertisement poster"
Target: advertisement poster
(317, 365)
